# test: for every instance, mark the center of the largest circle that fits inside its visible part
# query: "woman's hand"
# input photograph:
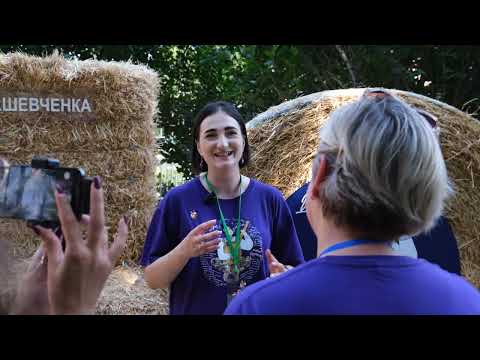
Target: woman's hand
(75, 278)
(31, 297)
(274, 266)
(199, 241)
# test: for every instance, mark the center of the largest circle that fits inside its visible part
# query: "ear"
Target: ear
(319, 177)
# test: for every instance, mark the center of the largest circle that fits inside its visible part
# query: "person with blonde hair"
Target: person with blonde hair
(378, 175)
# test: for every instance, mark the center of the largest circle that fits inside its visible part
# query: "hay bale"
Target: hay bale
(284, 140)
(126, 293)
(115, 140)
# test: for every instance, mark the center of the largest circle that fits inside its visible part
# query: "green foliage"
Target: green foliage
(256, 77)
(167, 177)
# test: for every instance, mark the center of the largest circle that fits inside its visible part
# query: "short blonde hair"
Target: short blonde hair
(387, 176)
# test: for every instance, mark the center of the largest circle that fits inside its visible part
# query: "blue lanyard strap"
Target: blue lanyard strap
(347, 244)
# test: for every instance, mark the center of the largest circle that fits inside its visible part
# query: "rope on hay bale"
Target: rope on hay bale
(284, 140)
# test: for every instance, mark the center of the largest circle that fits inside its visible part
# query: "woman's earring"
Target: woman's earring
(201, 162)
(241, 161)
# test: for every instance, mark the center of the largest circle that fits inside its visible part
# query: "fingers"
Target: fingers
(119, 241)
(38, 265)
(209, 236)
(85, 220)
(273, 264)
(208, 246)
(208, 242)
(36, 259)
(70, 226)
(97, 215)
(276, 267)
(270, 257)
(52, 244)
(203, 227)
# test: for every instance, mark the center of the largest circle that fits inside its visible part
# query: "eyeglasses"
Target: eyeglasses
(381, 94)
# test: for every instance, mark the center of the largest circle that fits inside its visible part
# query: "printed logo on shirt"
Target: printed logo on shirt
(217, 265)
(303, 209)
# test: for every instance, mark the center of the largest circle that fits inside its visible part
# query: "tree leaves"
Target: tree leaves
(256, 77)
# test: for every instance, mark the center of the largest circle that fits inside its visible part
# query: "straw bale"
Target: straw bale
(6, 276)
(126, 293)
(114, 165)
(115, 141)
(46, 134)
(284, 140)
(122, 198)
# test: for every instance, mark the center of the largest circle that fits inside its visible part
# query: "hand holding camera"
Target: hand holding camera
(27, 192)
(64, 280)
(77, 275)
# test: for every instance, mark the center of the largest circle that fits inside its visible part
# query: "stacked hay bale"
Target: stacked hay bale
(284, 140)
(126, 293)
(91, 114)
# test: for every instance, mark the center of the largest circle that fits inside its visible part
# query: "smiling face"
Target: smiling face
(220, 142)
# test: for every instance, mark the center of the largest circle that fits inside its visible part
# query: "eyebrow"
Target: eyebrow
(214, 129)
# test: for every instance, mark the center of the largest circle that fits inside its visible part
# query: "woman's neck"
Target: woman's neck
(330, 234)
(225, 183)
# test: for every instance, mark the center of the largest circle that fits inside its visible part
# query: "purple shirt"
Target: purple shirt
(266, 223)
(360, 285)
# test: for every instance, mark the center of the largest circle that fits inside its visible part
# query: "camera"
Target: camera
(28, 192)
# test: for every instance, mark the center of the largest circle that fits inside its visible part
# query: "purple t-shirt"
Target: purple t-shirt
(266, 223)
(360, 285)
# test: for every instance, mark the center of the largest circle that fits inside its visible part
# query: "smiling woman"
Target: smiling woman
(220, 142)
(219, 125)
(209, 237)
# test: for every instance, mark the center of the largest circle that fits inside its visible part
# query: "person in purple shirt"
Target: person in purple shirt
(215, 234)
(378, 175)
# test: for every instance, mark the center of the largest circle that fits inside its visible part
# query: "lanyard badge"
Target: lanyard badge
(233, 278)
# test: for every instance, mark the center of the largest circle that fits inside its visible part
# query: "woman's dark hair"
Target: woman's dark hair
(212, 108)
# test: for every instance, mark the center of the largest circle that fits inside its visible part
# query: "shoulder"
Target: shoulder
(176, 197)
(262, 297)
(453, 281)
(182, 191)
(455, 290)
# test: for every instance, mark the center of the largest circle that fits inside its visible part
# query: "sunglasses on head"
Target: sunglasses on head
(432, 120)
(380, 94)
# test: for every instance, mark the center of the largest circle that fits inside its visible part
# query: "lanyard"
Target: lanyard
(347, 244)
(234, 249)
